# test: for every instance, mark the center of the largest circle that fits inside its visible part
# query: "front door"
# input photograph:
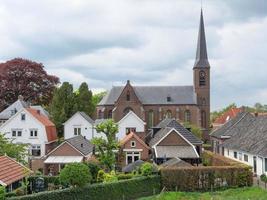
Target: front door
(255, 164)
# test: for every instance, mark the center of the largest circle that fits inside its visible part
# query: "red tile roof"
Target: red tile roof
(227, 115)
(131, 135)
(50, 127)
(11, 171)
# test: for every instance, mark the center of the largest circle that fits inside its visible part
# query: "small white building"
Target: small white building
(30, 126)
(131, 123)
(79, 124)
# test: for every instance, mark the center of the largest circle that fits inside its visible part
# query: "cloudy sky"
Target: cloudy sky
(150, 42)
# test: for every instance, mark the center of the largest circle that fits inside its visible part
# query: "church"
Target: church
(152, 104)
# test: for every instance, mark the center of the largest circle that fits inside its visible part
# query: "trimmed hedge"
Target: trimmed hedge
(124, 190)
(221, 172)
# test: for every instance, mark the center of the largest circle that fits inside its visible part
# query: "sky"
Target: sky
(150, 42)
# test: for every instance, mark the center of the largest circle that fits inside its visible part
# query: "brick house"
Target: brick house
(155, 103)
(132, 148)
(75, 149)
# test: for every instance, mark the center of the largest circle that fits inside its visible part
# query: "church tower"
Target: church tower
(201, 72)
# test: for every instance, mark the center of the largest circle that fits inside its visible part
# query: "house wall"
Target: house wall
(77, 121)
(260, 166)
(130, 121)
(30, 122)
(65, 150)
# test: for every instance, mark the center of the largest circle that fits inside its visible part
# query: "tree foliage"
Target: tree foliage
(106, 146)
(13, 150)
(214, 115)
(98, 97)
(66, 102)
(27, 78)
(75, 174)
(146, 169)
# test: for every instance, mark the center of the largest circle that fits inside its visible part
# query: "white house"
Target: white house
(131, 123)
(79, 124)
(30, 126)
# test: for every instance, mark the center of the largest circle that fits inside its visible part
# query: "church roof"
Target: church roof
(201, 54)
(155, 95)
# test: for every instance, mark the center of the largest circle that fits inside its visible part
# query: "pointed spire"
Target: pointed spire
(201, 55)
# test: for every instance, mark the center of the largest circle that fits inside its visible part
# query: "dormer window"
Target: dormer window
(128, 97)
(169, 99)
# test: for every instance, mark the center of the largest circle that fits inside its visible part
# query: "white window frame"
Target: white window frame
(35, 133)
(36, 147)
(132, 154)
(240, 156)
(246, 157)
(16, 133)
(133, 143)
(77, 130)
(23, 114)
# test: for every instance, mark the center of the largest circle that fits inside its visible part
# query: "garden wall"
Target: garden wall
(121, 190)
(221, 172)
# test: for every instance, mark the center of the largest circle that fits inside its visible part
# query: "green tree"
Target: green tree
(146, 169)
(106, 146)
(62, 105)
(75, 174)
(13, 150)
(84, 101)
(2, 192)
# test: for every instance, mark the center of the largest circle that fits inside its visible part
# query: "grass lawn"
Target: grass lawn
(249, 193)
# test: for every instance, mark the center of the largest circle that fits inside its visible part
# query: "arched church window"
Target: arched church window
(150, 119)
(168, 114)
(203, 119)
(126, 110)
(187, 116)
(128, 96)
(110, 114)
(202, 78)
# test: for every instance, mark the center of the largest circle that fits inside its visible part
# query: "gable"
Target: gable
(131, 118)
(138, 144)
(173, 139)
(128, 90)
(77, 119)
(65, 150)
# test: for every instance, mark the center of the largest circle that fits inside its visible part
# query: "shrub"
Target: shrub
(93, 168)
(124, 176)
(2, 192)
(263, 178)
(48, 180)
(75, 174)
(110, 177)
(125, 189)
(205, 178)
(100, 176)
(146, 169)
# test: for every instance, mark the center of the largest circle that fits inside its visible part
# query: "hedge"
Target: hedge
(121, 190)
(224, 172)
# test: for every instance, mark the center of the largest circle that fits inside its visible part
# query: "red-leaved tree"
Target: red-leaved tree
(27, 78)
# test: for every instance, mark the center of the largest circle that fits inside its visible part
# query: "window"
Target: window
(240, 156)
(132, 157)
(23, 116)
(132, 143)
(16, 133)
(168, 114)
(203, 119)
(228, 153)
(128, 97)
(130, 129)
(246, 157)
(265, 162)
(187, 116)
(110, 114)
(169, 99)
(77, 131)
(36, 150)
(150, 119)
(235, 154)
(202, 78)
(33, 133)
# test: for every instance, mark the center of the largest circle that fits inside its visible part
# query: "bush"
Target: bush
(100, 176)
(263, 178)
(75, 174)
(110, 177)
(48, 180)
(125, 189)
(93, 168)
(2, 192)
(124, 176)
(146, 169)
(205, 178)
